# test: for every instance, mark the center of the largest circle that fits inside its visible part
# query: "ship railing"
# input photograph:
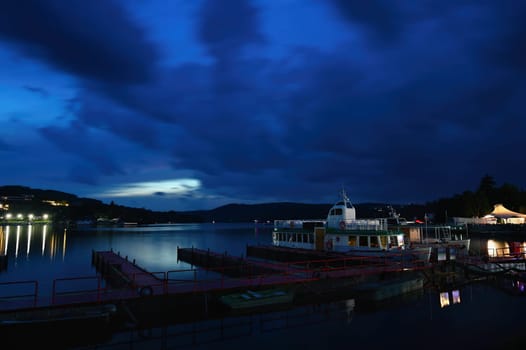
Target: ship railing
(365, 225)
(296, 223)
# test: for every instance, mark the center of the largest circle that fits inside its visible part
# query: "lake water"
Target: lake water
(479, 315)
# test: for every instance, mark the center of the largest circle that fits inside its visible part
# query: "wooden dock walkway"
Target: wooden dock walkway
(313, 265)
(231, 266)
(120, 272)
(285, 254)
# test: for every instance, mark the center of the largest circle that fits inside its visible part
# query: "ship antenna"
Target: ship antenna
(344, 196)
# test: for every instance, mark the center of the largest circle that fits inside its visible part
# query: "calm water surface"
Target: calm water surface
(44, 254)
(479, 316)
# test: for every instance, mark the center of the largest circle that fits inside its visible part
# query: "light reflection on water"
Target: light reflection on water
(45, 253)
(482, 319)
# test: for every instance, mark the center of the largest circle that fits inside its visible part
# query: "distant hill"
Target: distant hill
(263, 212)
(20, 191)
(289, 210)
(66, 207)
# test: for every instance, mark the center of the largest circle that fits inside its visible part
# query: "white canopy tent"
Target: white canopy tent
(506, 215)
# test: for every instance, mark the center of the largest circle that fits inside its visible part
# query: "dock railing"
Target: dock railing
(77, 289)
(18, 294)
(518, 251)
(93, 289)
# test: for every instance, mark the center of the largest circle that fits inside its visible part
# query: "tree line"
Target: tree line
(481, 201)
(466, 204)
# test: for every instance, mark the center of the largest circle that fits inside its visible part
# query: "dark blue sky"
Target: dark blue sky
(180, 105)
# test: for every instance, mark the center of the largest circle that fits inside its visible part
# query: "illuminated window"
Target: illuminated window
(352, 241)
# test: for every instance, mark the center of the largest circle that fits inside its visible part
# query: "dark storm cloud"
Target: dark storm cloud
(75, 139)
(4, 146)
(228, 30)
(425, 116)
(507, 45)
(430, 119)
(83, 173)
(226, 27)
(96, 40)
(382, 19)
(38, 90)
(208, 103)
(99, 113)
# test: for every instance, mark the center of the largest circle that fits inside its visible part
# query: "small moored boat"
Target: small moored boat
(446, 241)
(252, 299)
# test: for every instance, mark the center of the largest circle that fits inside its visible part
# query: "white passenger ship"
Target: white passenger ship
(342, 232)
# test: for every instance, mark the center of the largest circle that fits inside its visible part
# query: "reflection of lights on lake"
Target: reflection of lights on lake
(6, 239)
(455, 296)
(29, 230)
(44, 231)
(26, 237)
(64, 244)
(350, 304)
(17, 240)
(445, 298)
(349, 308)
(520, 285)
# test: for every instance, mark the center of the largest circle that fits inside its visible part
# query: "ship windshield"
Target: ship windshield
(336, 211)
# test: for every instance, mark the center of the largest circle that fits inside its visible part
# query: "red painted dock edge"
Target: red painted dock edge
(136, 282)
